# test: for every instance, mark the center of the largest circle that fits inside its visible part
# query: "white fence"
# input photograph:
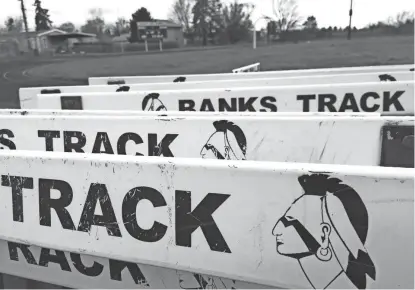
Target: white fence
(249, 68)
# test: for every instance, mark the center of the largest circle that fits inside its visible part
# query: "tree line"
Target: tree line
(210, 21)
(42, 20)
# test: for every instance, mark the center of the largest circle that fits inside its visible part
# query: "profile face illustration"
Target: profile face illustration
(325, 230)
(227, 142)
(151, 102)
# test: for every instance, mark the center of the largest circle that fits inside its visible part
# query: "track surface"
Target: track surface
(13, 75)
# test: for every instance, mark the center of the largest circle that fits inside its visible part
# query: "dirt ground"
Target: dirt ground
(318, 54)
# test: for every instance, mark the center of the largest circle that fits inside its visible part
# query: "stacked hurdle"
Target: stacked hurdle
(272, 179)
(249, 68)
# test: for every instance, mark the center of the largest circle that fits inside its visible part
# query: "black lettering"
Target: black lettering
(247, 106)
(225, 107)
(388, 101)
(207, 106)
(48, 135)
(364, 105)
(187, 221)
(98, 192)
(67, 141)
(116, 268)
(102, 139)
(161, 149)
(46, 203)
(349, 103)
(27, 254)
(7, 142)
(124, 138)
(306, 101)
(268, 102)
(93, 271)
(129, 208)
(58, 258)
(17, 183)
(186, 105)
(326, 101)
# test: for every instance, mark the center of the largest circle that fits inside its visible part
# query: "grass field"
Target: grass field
(318, 54)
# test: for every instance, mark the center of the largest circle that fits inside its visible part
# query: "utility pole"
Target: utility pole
(24, 15)
(22, 7)
(204, 24)
(349, 34)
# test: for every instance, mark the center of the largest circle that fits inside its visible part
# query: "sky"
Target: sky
(328, 12)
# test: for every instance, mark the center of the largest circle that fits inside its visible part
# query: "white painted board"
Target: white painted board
(255, 67)
(278, 224)
(27, 95)
(31, 112)
(396, 98)
(327, 140)
(88, 272)
(262, 74)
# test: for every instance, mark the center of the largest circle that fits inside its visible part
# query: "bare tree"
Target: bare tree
(96, 23)
(237, 21)
(67, 26)
(96, 13)
(181, 12)
(122, 26)
(286, 14)
(404, 17)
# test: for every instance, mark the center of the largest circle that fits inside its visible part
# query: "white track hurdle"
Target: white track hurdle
(330, 140)
(263, 74)
(77, 271)
(249, 68)
(394, 98)
(36, 112)
(277, 224)
(27, 95)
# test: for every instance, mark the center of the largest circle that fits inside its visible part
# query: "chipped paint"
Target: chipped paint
(258, 193)
(391, 97)
(325, 139)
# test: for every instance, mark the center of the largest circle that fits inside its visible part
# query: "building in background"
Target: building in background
(15, 43)
(46, 42)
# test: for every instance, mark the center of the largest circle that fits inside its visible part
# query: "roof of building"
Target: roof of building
(72, 35)
(51, 33)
